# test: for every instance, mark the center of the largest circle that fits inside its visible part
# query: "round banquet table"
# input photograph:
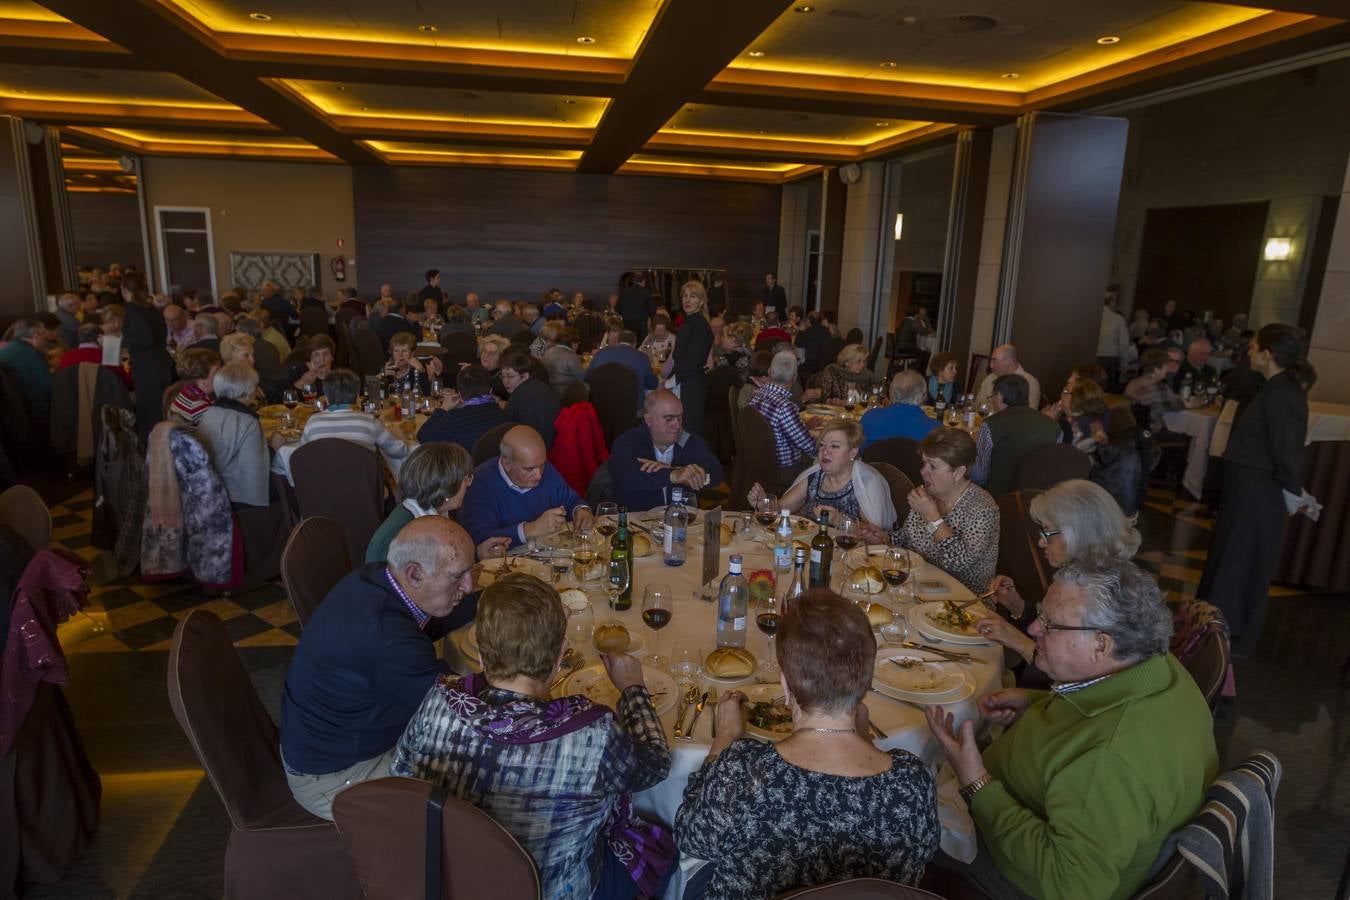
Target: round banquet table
(281, 460)
(1199, 423)
(695, 619)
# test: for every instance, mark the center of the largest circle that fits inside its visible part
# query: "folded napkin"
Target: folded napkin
(1304, 503)
(958, 828)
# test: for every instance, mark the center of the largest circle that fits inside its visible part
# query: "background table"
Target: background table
(1317, 554)
(695, 619)
(281, 460)
(1199, 424)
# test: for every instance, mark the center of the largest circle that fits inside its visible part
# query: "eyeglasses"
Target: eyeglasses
(1051, 626)
(1047, 534)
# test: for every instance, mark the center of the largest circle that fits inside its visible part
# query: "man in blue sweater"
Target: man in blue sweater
(367, 659)
(519, 494)
(905, 416)
(626, 354)
(657, 454)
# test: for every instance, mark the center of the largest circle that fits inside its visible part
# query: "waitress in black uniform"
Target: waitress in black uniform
(1264, 459)
(693, 342)
(144, 337)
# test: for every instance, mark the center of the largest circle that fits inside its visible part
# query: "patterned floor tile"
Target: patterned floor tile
(244, 626)
(139, 637)
(278, 614)
(136, 614)
(272, 637)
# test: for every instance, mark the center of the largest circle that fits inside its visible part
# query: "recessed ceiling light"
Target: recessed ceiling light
(756, 53)
(888, 65)
(1010, 75)
(584, 39)
(342, 87)
(568, 100)
(804, 8)
(365, 109)
(427, 29)
(881, 124)
(761, 132)
(1107, 40)
(260, 17)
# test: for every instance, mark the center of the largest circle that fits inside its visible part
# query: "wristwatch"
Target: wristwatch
(969, 791)
(934, 525)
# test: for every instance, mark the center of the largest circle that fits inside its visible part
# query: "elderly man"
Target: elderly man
(504, 320)
(367, 658)
(1003, 361)
(178, 326)
(478, 313)
(1151, 388)
(389, 321)
(26, 356)
(650, 458)
(774, 401)
(530, 401)
(67, 305)
(1076, 798)
(206, 329)
(626, 354)
(529, 314)
(905, 416)
(519, 494)
(1196, 365)
(1006, 437)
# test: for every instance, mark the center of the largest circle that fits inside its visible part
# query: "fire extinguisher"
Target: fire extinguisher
(339, 268)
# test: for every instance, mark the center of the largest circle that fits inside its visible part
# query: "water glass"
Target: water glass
(580, 622)
(686, 660)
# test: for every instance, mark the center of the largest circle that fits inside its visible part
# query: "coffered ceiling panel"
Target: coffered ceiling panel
(104, 86)
(27, 11)
(767, 124)
(444, 104)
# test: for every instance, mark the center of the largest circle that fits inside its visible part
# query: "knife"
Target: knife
(685, 700)
(698, 709)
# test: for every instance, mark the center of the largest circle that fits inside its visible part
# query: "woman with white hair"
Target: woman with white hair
(232, 435)
(237, 347)
(848, 372)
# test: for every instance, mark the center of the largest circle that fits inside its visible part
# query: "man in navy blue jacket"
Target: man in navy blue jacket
(367, 659)
(649, 458)
(626, 354)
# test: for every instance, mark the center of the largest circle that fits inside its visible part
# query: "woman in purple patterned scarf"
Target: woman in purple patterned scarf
(557, 774)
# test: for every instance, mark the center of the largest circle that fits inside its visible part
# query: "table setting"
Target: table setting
(289, 418)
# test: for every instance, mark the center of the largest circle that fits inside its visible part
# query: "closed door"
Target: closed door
(187, 255)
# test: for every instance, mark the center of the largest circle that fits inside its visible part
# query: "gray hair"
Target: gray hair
(232, 344)
(206, 324)
(341, 387)
(908, 387)
(236, 381)
(26, 329)
(434, 472)
(1125, 602)
(783, 369)
(68, 302)
(89, 332)
(1089, 519)
(249, 326)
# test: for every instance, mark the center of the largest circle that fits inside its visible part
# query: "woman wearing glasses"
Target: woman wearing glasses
(1076, 520)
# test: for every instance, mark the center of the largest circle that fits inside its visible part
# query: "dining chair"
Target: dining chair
(384, 823)
(1206, 656)
(276, 849)
(900, 487)
(1047, 466)
(22, 509)
(315, 559)
(313, 321)
(576, 392)
(489, 443)
(861, 889)
(756, 459)
(358, 508)
(976, 372)
(614, 392)
(460, 348)
(369, 353)
(1019, 555)
(901, 452)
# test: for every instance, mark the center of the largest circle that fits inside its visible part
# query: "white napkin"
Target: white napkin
(1304, 503)
(958, 829)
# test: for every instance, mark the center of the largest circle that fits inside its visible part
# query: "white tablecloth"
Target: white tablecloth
(1199, 424)
(695, 618)
(1328, 422)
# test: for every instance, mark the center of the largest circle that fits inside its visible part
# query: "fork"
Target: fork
(712, 701)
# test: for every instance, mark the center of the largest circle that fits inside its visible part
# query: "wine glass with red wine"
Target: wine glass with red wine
(766, 511)
(846, 533)
(767, 618)
(657, 611)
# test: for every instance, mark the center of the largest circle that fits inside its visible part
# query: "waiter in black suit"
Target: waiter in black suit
(774, 296)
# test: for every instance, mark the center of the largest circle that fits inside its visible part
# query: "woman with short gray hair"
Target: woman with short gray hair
(232, 435)
(432, 481)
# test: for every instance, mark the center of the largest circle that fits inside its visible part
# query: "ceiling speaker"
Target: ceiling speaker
(127, 165)
(850, 173)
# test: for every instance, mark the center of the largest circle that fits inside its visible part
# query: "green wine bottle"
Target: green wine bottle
(822, 554)
(621, 563)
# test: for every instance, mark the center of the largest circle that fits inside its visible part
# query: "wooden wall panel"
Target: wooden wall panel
(107, 229)
(515, 234)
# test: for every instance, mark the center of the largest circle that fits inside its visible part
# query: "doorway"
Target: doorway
(186, 254)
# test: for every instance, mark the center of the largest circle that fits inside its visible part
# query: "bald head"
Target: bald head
(1003, 360)
(431, 558)
(523, 456)
(663, 414)
(908, 387)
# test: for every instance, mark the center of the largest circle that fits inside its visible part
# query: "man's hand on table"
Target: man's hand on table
(623, 670)
(583, 518)
(957, 744)
(493, 547)
(692, 476)
(549, 522)
(648, 466)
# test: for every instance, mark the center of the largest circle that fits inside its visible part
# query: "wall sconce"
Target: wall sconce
(899, 225)
(1278, 249)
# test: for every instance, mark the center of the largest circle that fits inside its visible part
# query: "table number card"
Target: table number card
(712, 545)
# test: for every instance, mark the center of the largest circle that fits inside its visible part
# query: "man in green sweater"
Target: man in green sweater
(1075, 799)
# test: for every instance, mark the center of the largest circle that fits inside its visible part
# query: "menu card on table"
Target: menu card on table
(712, 548)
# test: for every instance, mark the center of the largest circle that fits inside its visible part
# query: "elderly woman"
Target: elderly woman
(1077, 797)
(306, 374)
(196, 368)
(561, 360)
(848, 372)
(557, 774)
(943, 370)
(490, 350)
(342, 420)
(432, 480)
(230, 431)
(691, 354)
(839, 484)
(734, 346)
(237, 347)
(404, 370)
(823, 804)
(953, 522)
(660, 342)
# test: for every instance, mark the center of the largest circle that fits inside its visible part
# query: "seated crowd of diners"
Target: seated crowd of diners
(1073, 797)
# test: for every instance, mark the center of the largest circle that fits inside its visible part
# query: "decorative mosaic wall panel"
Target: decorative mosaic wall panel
(250, 269)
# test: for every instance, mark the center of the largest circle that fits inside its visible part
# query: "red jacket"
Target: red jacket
(579, 448)
(93, 355)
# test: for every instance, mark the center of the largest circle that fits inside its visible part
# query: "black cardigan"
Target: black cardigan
(692, 343)
(1270, 432)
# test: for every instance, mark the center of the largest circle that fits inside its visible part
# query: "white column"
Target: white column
(1331, 330)
(858, 272)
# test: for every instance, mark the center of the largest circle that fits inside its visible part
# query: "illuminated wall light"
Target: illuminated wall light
(899, 225)
(1108, 39)
(427, 29)
(1278, 249)
(804, 8)
(1010, 75)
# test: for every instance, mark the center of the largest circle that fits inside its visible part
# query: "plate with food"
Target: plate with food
(920, 677)
(729, 665)
(947, 621)
(593, 682)
(615, 637)
(489, 570)
(767, 716)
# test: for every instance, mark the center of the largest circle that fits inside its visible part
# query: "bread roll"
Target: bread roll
(611, 638)
(642, 545)
(870, 576)
(726, 535)
(878, 615)
(730, 662)
(574, 599)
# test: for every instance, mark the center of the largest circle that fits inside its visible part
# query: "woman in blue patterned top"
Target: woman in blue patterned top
(557, 774)
(823, 804)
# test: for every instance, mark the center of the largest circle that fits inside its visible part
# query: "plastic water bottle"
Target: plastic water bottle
(782, 547)
(733, 606)
(676, 521)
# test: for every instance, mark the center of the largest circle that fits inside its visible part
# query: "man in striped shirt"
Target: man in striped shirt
(341, 420)
(774, 401)
(196, 367)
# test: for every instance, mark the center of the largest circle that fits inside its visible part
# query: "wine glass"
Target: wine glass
(766, 511)
(686, 660)
(584, 556)
(657, 610)
(290, 399)
(580, 621)
(767, 619)
(607, 518)
(851, 400)
(846, 533)
(620, 577)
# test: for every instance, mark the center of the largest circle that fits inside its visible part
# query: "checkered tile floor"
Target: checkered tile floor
(128, 614)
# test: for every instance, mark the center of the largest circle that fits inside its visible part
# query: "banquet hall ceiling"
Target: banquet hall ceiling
(751, 90)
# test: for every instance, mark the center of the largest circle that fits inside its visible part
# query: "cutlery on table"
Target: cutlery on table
(946, 654)
(690, 696)
(910, 662)
(713, 699)
(698, 711)
(571, 661)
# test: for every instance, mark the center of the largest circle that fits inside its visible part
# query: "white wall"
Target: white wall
(858, 272)
(1331, 332)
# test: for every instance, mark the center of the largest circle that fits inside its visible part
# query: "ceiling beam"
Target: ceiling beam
(1332, 8)
(162, 42)
(687, 46)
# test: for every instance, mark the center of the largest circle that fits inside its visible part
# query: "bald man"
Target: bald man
(1003, 361)
(657, 454)
(366, 660)
(518, 494)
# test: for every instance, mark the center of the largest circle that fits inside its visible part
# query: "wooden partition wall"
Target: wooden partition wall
(514, 234)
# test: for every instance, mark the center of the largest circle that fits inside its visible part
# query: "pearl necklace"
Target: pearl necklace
(824, 730)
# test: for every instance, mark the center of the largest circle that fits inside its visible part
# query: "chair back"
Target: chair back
(22, 509)
(614, 392)
(862, 889)
(975, 374)
(831, 351)
(718, 430)
(342, 334)
(489, 443)
(537, 370)
(900, 487)
(266, 359)
(383, 823)
(313, 320)
(169, 393)
(314, 560)
(576, 392)
(1120, 420)
(901, 452)
(460, 348)
(1178, 880)
(358, 507)
(369, 352)
(227, 725)
(1200, 642)
(756, 459)
(1019, 555)
(733, 394)
(1047, 466)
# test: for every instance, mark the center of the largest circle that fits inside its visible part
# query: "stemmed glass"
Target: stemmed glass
(851, 400)
(607, 518)
(618, 580)
(895, 569)
(846, 533)
(766, 511)
(657, 610)
(290, 399)
(767, 618)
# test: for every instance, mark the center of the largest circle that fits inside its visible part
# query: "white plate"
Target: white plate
(708, 676)
(920, 619)
(757, 693)
(933, 681)
(487, 571)
(593, 682)
(636, 645)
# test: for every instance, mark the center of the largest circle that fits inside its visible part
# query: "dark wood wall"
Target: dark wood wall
(107, 229)
(1203, 257)
(515, 234)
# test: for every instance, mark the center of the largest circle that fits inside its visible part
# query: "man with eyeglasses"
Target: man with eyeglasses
(1077, 797)
(657, 454)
